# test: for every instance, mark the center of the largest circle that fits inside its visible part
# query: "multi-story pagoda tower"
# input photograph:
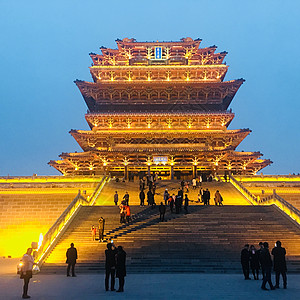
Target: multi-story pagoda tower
(159, 106)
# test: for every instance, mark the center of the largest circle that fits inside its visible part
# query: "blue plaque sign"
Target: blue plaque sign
(160, 159)
(158, 52)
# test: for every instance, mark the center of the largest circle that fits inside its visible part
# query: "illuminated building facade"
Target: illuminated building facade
(159, 106)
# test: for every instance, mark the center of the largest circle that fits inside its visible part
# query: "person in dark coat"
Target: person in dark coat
(116, 198)
(172, 202)
(254, 262)
(142, 197)
(245, 258)
(71, 259)
(121, 267)
(101, 229)
(182, 184)
(266, 262)
(166, 196)
(207, 195)
(149, 197)
(261, 246)
(279, 264)
(180, 195)
(126, 198)
(110, 266)
(177, 204)
(186, 204)
(162, 211)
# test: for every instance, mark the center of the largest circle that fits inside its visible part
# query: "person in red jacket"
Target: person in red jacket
(128, 214)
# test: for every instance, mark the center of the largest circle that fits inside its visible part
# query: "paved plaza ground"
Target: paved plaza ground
(141, 286)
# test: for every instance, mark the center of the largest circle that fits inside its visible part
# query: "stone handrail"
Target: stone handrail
(62, 222)
(282, 204)
(247, 194)
(285, 206)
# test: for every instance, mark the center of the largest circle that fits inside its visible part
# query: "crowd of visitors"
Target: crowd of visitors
(260, 259)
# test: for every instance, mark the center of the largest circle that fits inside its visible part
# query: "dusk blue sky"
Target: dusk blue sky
(44, 47)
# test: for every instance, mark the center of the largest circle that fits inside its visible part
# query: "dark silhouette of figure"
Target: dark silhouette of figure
(254, 262)
(121, 267)
(71, 259)
(142, 198)
(182, 184)
(101, 229)
(266, 261)
(186, 204)
(162, 211)
(26, 271)
(166, 196)
(116, 198)
(279, 264)
(207, 196)
(180, 195)
(126, 198)
(177, 204)
(245, 258)
(150, 199)
(110, 266)
(172, 202)
(261, 246)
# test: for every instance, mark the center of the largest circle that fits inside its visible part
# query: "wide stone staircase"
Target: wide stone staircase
(207, 239)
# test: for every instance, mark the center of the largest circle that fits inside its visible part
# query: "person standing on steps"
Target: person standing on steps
(194, 183)
(207, 196)
(279, 264)
(26, 271)
(166, 196)
(177, 204)
(93, 232)
(101, 229)
(201, 195)
(110, 266)
(128, 214)
(71, 259)
(121, 267)
(245, 255)
(162, 211)
(122, 207)
(182, 184)
(186, 204)
(116, 198)
(218, 199)
(180, 195)
(267, 264)
(142, 198)
(172, 202)
(126, 198)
